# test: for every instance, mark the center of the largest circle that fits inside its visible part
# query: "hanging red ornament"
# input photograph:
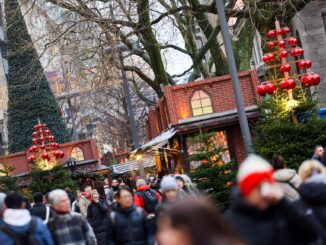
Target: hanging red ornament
(293, 41)
(42, 139)
(35, 141)
(283, 54)
(286, 30)
(271, 33)
(279, 32)
(45, 155)
(47, 132)
(62, 154)
(57, 145)
(43, 125)
(270, 88)
(42, 147)
(308, 64)
(302, 64)
(307, 80)
(315, 79)
(281, 43)
(261, 90)
(290, 83)
(284, 84)
(31, 149)
(34, 134)
(285, 68)
(36, 127)
(51, 138)
(271, 45)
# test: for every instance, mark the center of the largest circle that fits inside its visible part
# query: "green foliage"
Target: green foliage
(213, 174)
(93, 176)
(29, 93)
(9, 183)
(56, 178)
(295, 142)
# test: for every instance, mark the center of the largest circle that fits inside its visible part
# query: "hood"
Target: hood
(143, 188)
(314, 190)
(284, 175)
(17, 217)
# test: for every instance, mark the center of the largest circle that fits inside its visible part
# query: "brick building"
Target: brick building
(207, 104)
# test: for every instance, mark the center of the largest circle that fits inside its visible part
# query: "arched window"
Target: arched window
(201, 103)
(77, 153)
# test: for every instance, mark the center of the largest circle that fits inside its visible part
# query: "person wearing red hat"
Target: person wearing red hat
(260, 213)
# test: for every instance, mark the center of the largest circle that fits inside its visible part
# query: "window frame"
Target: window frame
(209, 96)
(78, 149)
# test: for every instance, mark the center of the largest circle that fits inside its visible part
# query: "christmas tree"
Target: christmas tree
(213, 175)
(30, 96)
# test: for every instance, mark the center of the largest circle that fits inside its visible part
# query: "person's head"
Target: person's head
(169, 188)
(2, 203)
(319, 151)
(68, 190)
(95, 195)
(15, 200)
(252, 176)
(78, 194)
(59, 201)
(114, 183)
(121, 182)
(193, 222)
(38, 197)
(152, 179)
(124, 197)
(140, 183)
(278, 162)
(88, 190)
(309, 168)
(180, 181)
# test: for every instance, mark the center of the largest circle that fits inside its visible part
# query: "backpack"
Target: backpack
(150, 200)
(26, 238)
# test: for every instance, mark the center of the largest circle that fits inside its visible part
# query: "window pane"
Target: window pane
(195, 96)
(202, 94)
(207, 110)
(198, 112)
(206, 102)
(195, 104)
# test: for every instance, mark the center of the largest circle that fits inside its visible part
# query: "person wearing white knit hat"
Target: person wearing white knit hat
(260, 213)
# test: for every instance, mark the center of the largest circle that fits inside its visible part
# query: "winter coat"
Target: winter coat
(98, 217)
(84, 202)
(130, 227)
(313, 199)
(41, 233)
(288, 181)
(39, 210)
(138, 197)
(281, 224)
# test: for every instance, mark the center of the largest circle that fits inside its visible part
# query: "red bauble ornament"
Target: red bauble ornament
(31, 158)
(316, 79)
(285, 68)
(284, 84)
(302, 64)
(270, 88)
(45, 155)
(271, 45)
(271, 33)
(35, 141)
(57, 145)
(42, 147)
(34, 134)
(293, 41)
(261, 90)
(36, 127)
(47, 132)
(51, 138)
(43, 125)
(308, 64)
(62, 154)
(307, 80)
(31, 149)
(300, 51)
(283, 54)
(291, 83)
(285, 30)
(42, 139)
(281, 43)
(279, 32)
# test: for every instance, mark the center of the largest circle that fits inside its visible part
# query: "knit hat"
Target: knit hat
(252, 172)
(168, 183)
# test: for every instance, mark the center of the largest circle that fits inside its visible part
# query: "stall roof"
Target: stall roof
(133, 165)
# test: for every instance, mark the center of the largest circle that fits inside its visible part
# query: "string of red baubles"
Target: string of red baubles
(307, 79)
(47, 145)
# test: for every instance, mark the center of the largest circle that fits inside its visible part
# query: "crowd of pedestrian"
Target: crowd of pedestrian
(270, 204)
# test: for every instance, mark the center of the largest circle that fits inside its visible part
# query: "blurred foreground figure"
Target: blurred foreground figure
(261, 214)
(193, 222)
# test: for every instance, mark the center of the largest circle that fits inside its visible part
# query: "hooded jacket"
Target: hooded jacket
(313, 199)
(19, 220)
(281, 224)
(138, 198)
(289, 181)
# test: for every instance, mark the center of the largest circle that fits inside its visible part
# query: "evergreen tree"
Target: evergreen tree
(213, 175)
(30, 96)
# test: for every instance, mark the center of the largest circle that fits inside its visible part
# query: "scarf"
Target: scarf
(16, 217)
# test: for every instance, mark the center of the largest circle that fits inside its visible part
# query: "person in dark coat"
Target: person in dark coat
(260, 213)
(313, 195)
(98, 216)
(129, 225)
(39, 209)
